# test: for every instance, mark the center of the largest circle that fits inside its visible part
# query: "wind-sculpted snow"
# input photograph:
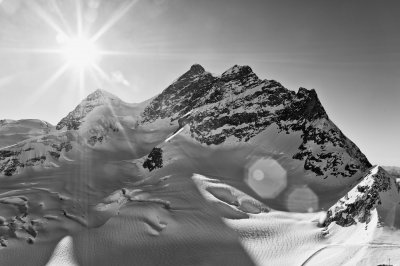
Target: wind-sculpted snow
(288, 238)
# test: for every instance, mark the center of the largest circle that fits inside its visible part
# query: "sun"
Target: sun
(78, 47)
(79, 52)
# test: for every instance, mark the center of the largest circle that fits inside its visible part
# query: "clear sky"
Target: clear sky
(349, 51)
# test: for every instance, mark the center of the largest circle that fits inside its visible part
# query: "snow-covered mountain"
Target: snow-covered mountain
(229, 161)
(99, 119)
(238, 107)
(233, 112)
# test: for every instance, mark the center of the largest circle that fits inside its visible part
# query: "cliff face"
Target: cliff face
(237, 106)
(377, 190)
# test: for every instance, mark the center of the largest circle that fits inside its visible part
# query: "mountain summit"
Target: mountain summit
(98, 98)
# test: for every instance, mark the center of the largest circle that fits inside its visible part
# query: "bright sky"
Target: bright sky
(349, 51)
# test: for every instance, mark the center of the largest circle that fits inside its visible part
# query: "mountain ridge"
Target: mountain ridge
(234, 107)
(238, 105)
(377, 190)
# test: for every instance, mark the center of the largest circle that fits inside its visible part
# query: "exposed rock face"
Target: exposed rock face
(181, 96)
(357, 205)
(43, 151)
(237, 106)
(75, 118)
(154, 159)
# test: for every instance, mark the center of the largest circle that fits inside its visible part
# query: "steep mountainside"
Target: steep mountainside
(237, 106)
(377, 190)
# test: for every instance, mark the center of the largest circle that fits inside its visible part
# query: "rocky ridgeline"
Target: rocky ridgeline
(237, 106)
(358, 204)
(233, 107)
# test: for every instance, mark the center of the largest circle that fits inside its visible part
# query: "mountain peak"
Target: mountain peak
(101, 94)
(97, 98)
(197, 69)
(194, 70)
(237, 71)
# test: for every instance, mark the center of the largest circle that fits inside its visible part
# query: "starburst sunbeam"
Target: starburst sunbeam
(79, 17)
(62, 18)
(46, 17)
(100, 72)
(113, 20)
(47, 84)
(31, 51)
(81, 83)
(80, 51)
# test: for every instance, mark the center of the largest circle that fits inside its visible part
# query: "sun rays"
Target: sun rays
(77, 47)
(79, 50)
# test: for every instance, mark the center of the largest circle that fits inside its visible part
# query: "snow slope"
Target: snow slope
(286, 238)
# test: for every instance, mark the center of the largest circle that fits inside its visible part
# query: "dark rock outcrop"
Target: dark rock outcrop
(154, 159)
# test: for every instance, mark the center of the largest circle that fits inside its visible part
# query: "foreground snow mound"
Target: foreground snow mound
(231, 202)
(286, 238)
(377, 190)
